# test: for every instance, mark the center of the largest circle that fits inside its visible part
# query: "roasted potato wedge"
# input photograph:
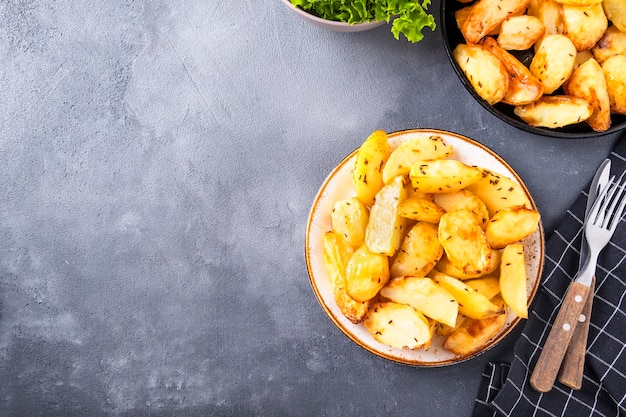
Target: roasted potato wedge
(488, 285)
(464, 241)
(442, 176)
(386, 228)
(463, 199)
(549, 13)
(584, 25)
(471, 303)
(349, 219)
(366, 274)
(499, 191)
(615, 72)
(444, 265)
(520, 32)
(473, 334)
(420, 209)
(511, 225)
(555, 111)
(484, 71)
(420, 148)
(419, 252)
(399, 326)
(615, 11)
(588, 82)
(553, 61)
(336, 256)
(367, 175)
(461, 15)
(513, 279)
(486, 15)
(523, 87)
(425, 296)
(444, 330)
(613, 42)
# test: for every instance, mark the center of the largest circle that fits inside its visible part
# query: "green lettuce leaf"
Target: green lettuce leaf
(409, 18)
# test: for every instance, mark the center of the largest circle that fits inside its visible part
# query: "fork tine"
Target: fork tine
(622, 204)
(605, 211)
(598, 209)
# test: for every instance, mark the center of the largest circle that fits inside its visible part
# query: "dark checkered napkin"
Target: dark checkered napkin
(505, 388)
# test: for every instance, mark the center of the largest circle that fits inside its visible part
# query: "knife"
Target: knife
(571, 373)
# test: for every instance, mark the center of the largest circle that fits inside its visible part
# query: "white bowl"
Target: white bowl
(330, 24)
(338, 185)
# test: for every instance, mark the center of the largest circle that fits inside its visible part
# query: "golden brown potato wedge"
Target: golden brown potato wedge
(520, 32)
(444, 265)
(419, 148)
(419, 252)
(513, 279)
(613, 42)
(399, 326)
(444, 330)
(336, 256)
(484, 71)
(615, 11)
(349, 219)
(549, 12)
(553, 62)
(366, 274)
(584, 25)
(486, 15)
(488, 285)
(523, 87)
(615, 72)
(420, 209)
(461, 15)
(511, 225)
(473, 334)
(555, 111)
(471, 303)
(463, 199)
(464, 241)
(499, 191)
(386, 227)
(425, 295)
(367, 175)
(588, 82)
(442, 176)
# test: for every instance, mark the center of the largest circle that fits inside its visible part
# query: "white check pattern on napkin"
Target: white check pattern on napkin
(505, 389)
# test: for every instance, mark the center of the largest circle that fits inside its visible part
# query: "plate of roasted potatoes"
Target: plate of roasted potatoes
(551, 67)
(424, 247)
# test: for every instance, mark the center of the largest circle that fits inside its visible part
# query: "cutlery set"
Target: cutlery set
(564, 349)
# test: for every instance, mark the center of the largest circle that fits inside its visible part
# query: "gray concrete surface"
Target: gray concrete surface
(158, 160)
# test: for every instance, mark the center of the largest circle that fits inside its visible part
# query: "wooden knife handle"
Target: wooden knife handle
(571, 373)
(547, 366)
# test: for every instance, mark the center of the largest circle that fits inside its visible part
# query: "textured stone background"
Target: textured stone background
(158, 160)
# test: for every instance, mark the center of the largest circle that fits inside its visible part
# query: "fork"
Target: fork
(599, 227)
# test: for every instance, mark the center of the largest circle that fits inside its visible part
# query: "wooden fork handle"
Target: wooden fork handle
(571, 373)
(549, 362)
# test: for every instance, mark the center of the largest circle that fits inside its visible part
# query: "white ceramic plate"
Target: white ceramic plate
(338, 185)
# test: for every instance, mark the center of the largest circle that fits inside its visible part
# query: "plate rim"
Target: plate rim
(397, 358)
